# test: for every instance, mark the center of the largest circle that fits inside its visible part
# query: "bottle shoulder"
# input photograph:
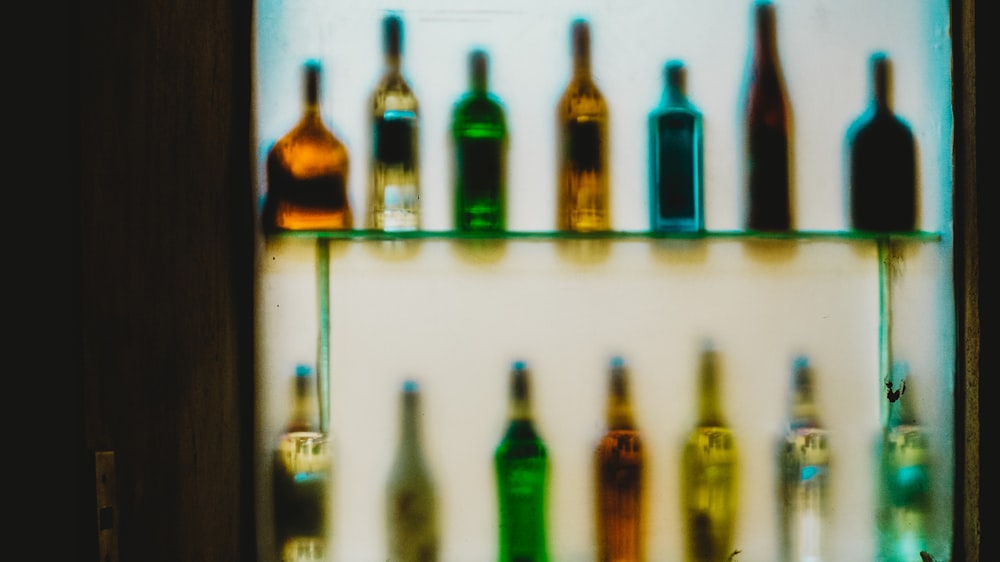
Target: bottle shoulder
(479, 110)
(309, 149)
(393, 93)
(582, 97)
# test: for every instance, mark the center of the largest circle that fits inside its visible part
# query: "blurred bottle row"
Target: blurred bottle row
(710, 468)
(307, 168)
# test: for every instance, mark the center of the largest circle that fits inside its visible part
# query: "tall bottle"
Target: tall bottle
(301, 475)
(307, 170)
(805, 469)
(675, 159)
(883, 183)
(582, 123)
(411, 511)
(521, 464)
(767, 159)
(620, 463)
(479, 131)
(709, 473)
(904, 471)
(395, 168)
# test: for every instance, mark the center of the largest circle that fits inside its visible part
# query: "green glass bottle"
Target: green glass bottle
(521, 464)
(805, 469)
(479, 131)
(709, 474)
(904, 495)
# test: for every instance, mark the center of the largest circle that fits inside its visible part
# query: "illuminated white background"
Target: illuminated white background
(455, 320)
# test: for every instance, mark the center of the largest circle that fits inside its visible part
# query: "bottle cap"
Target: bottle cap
(411, 386)
(303, 370)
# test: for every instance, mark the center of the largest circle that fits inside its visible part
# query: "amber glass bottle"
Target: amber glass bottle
(582, 124)
(619, 473)
(307, 172)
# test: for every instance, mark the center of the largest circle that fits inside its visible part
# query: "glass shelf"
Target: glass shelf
(803, 235)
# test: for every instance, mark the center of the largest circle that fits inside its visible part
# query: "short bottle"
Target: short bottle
(883, 179)
(583, 198)
(521, 465)
(620, 466)
(805, 472)
(479, 133)
(307, 171)
(709, 473)
(767, 158)
(301, 474)
(675, 159)
(411, 507)
(395, 162)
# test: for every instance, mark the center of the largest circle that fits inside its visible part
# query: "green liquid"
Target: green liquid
(480, 135)
(521, 463)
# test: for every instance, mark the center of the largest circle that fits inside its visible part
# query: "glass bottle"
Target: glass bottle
(411, 504)
(904, 471)
(521, 464)
(301, 477)
(395, 168)
(675, 159)
(479, 130)
(882, 162)
(307, 171)
(582, 125)
(620, 462)
(709, 475)
(805, 466)
(767, 159)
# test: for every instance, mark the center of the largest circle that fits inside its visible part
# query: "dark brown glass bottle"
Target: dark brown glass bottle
(620, 459)
(883, 162)
(307, 172)
(767, 159)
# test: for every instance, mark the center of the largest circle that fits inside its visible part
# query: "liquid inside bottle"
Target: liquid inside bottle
(882, 162)
(709, 475)
(619, 474)
(675, 159)
(307, 172)
(395, 191)
(521, 465)
(479, 131)
(767, 160)
(411, 504)
(583, 201)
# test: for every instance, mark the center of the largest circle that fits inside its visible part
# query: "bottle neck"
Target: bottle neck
(803, 411)
(409, 430)
(519, 408)
(581, 50)
(392, 32)
(765, 48)
(619, 408)
(311, 90)
(674, 80)
(880, 83)
(305, 409)
(478, 72)
(709, 410)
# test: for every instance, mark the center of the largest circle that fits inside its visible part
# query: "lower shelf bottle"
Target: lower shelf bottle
(521, 465)
(709, 474)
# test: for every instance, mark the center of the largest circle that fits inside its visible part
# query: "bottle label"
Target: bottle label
(584, 145)
(395, 138)
(675, 167)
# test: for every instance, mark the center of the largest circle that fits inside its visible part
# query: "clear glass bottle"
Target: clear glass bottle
(395, 164)
(301, 475)
(805, 473)
(709, 473)
(675, 159)
(307, 171)
(883, 181)
(479, 131)
(583, 199)
(767, 162)
(620, 461)
(521, 465)
(411, 506)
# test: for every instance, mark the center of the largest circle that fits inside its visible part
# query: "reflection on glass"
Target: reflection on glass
(582, 125)
(301, 478)
(619, 460)
(805, 465)
(307, 172)
(675, 159)
(411, 512)
(883, 162)
(709, 479)
(521, 465)
(395, 169)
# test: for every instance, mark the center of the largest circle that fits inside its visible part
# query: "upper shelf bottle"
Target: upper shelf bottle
(675, 159)
(307, 171)
(479, 131)
(395, 161)
(882, 162)
(582, 125)
(767, 158)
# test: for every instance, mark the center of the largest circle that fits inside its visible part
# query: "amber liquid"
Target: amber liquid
(619, 496)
